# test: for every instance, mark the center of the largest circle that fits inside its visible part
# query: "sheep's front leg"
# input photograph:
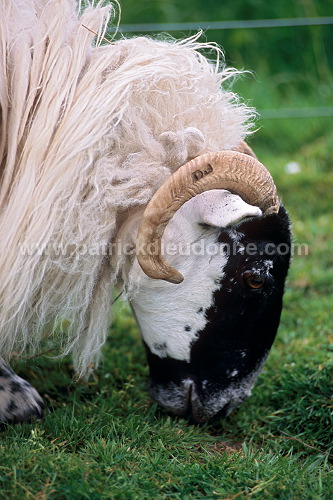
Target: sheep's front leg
(19, 401)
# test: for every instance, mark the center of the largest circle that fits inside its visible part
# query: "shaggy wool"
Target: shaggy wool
(89, 131)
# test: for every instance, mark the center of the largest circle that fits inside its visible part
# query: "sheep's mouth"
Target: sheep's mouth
(185, 400)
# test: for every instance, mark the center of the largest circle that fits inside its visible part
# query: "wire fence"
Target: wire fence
(314, 112)
(226, 25)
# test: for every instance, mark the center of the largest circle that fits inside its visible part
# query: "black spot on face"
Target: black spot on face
(160, 346)
(187, 328)
(200, 310)
(242, 319)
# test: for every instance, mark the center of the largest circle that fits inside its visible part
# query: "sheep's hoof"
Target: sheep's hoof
(19, 401)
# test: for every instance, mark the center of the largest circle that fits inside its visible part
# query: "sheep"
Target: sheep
(93, 138)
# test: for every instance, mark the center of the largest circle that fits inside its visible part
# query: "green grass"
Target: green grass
(106, 439)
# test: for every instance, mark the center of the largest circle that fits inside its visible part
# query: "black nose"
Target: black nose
(182, 400)
(174, 398)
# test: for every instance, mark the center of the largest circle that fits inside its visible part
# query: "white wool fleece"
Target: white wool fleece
(88, 132)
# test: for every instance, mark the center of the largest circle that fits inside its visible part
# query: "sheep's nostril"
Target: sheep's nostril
(174, 398)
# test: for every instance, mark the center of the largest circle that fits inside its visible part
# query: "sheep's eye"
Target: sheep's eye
(253, 280)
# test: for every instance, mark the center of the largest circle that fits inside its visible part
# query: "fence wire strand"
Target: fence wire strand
(225, 25)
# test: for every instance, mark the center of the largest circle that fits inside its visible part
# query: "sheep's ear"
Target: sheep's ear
(243, 147)
(219, 208)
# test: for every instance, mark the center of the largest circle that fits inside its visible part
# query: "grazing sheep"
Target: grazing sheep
(89, 134)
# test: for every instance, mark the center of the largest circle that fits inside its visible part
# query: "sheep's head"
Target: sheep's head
(208, 330)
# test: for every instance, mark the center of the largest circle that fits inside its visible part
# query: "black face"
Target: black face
(242, 322)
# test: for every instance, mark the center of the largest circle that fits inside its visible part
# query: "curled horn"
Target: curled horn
(237, 172)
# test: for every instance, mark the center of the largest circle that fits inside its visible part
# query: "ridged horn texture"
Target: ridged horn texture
(237, 172)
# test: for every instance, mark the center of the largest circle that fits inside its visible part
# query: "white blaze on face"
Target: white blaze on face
(171, 316)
